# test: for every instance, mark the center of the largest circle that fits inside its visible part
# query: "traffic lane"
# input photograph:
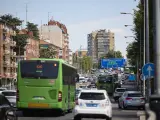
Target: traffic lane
(118, 114)
(68, 116)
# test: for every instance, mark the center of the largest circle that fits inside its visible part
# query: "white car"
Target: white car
(2, 89)
(93, 104)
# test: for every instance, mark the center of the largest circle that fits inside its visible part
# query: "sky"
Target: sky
(81, 17)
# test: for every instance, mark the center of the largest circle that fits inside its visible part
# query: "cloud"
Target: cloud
(78, 32)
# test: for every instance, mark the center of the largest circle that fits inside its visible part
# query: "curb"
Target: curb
(141, 115)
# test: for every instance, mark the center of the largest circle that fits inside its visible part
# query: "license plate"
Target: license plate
(91, 105)
(38, 105)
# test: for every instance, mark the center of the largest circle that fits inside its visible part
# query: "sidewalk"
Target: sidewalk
(141, 115)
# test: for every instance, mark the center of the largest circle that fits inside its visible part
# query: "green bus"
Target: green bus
(106, 82)
(45, 84)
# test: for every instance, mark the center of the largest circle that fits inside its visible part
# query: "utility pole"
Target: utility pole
(48, 26)
(147, 42)
(80, 58)
(144, 54)
(155, 99)
(26, 12)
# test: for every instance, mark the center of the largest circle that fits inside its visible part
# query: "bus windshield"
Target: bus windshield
(105, 79)
(31, 69)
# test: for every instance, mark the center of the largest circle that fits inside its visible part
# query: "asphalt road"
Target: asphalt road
(117, 115)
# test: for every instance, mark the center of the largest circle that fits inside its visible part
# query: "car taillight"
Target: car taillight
(17, 95)
(142, 98)
(59, 96)
(76, 102)
(128, 98)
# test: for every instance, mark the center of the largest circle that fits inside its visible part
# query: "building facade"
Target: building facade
(70, 61)
(99, 43)
(81, 53)
(45, 45)
(32, 49)
(8, 63)
(57, 34)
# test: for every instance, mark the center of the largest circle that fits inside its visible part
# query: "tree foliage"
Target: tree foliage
(50, 52)
(113, 54)
(10, 21)
(21, 42)
(133, 49)
(86, 64)
(33, 28)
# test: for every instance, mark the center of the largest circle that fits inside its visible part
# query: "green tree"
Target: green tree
(86, 64)
(113, 54)
(21, 42)
(10, 21)
(50, 52)
(31, 27)
(139, 36)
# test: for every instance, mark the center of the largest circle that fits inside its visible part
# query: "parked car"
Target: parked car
(11, 96)
(131, 99)
(93, 104)
(2, 89)
(4, 107)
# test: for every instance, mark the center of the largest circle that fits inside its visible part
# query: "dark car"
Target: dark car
(4, 107)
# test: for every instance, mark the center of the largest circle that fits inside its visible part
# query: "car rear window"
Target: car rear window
(134, 95)
(120, 90)
(92, 96)
(9, 93)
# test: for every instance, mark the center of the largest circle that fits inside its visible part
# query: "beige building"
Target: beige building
(56, 33)
(8, 63)
(53, 34)
(99, 43)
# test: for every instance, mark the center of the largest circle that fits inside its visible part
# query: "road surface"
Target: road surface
(117, 115)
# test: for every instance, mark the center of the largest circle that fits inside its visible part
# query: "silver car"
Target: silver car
(131, 99)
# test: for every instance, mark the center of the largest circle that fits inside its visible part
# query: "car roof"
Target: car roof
(121, 88)
(9, 91)
(94, 91)
(130, 92)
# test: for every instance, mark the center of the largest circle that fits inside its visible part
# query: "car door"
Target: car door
(121, 99)
(5, 105)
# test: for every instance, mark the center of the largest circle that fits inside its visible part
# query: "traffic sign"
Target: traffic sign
(148, 70)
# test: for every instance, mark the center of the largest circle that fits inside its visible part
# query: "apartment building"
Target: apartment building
(56, 33)
(8, 63)
(81, 52)
(99, 43)
(32, 49)
(70, 61)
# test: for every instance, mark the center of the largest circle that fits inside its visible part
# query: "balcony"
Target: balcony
(7, 74)
(6, 52)
(15, 64)
(6, 41)
(13, 33)
(13, 54)
(6, 63)
(13, 43)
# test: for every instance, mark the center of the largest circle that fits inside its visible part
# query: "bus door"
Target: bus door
(69, 93)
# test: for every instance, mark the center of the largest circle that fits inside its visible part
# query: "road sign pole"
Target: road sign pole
(144, 86)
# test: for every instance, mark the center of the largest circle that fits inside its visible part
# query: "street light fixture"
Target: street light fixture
(129, 36)
(127, 25)
(126, 13)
